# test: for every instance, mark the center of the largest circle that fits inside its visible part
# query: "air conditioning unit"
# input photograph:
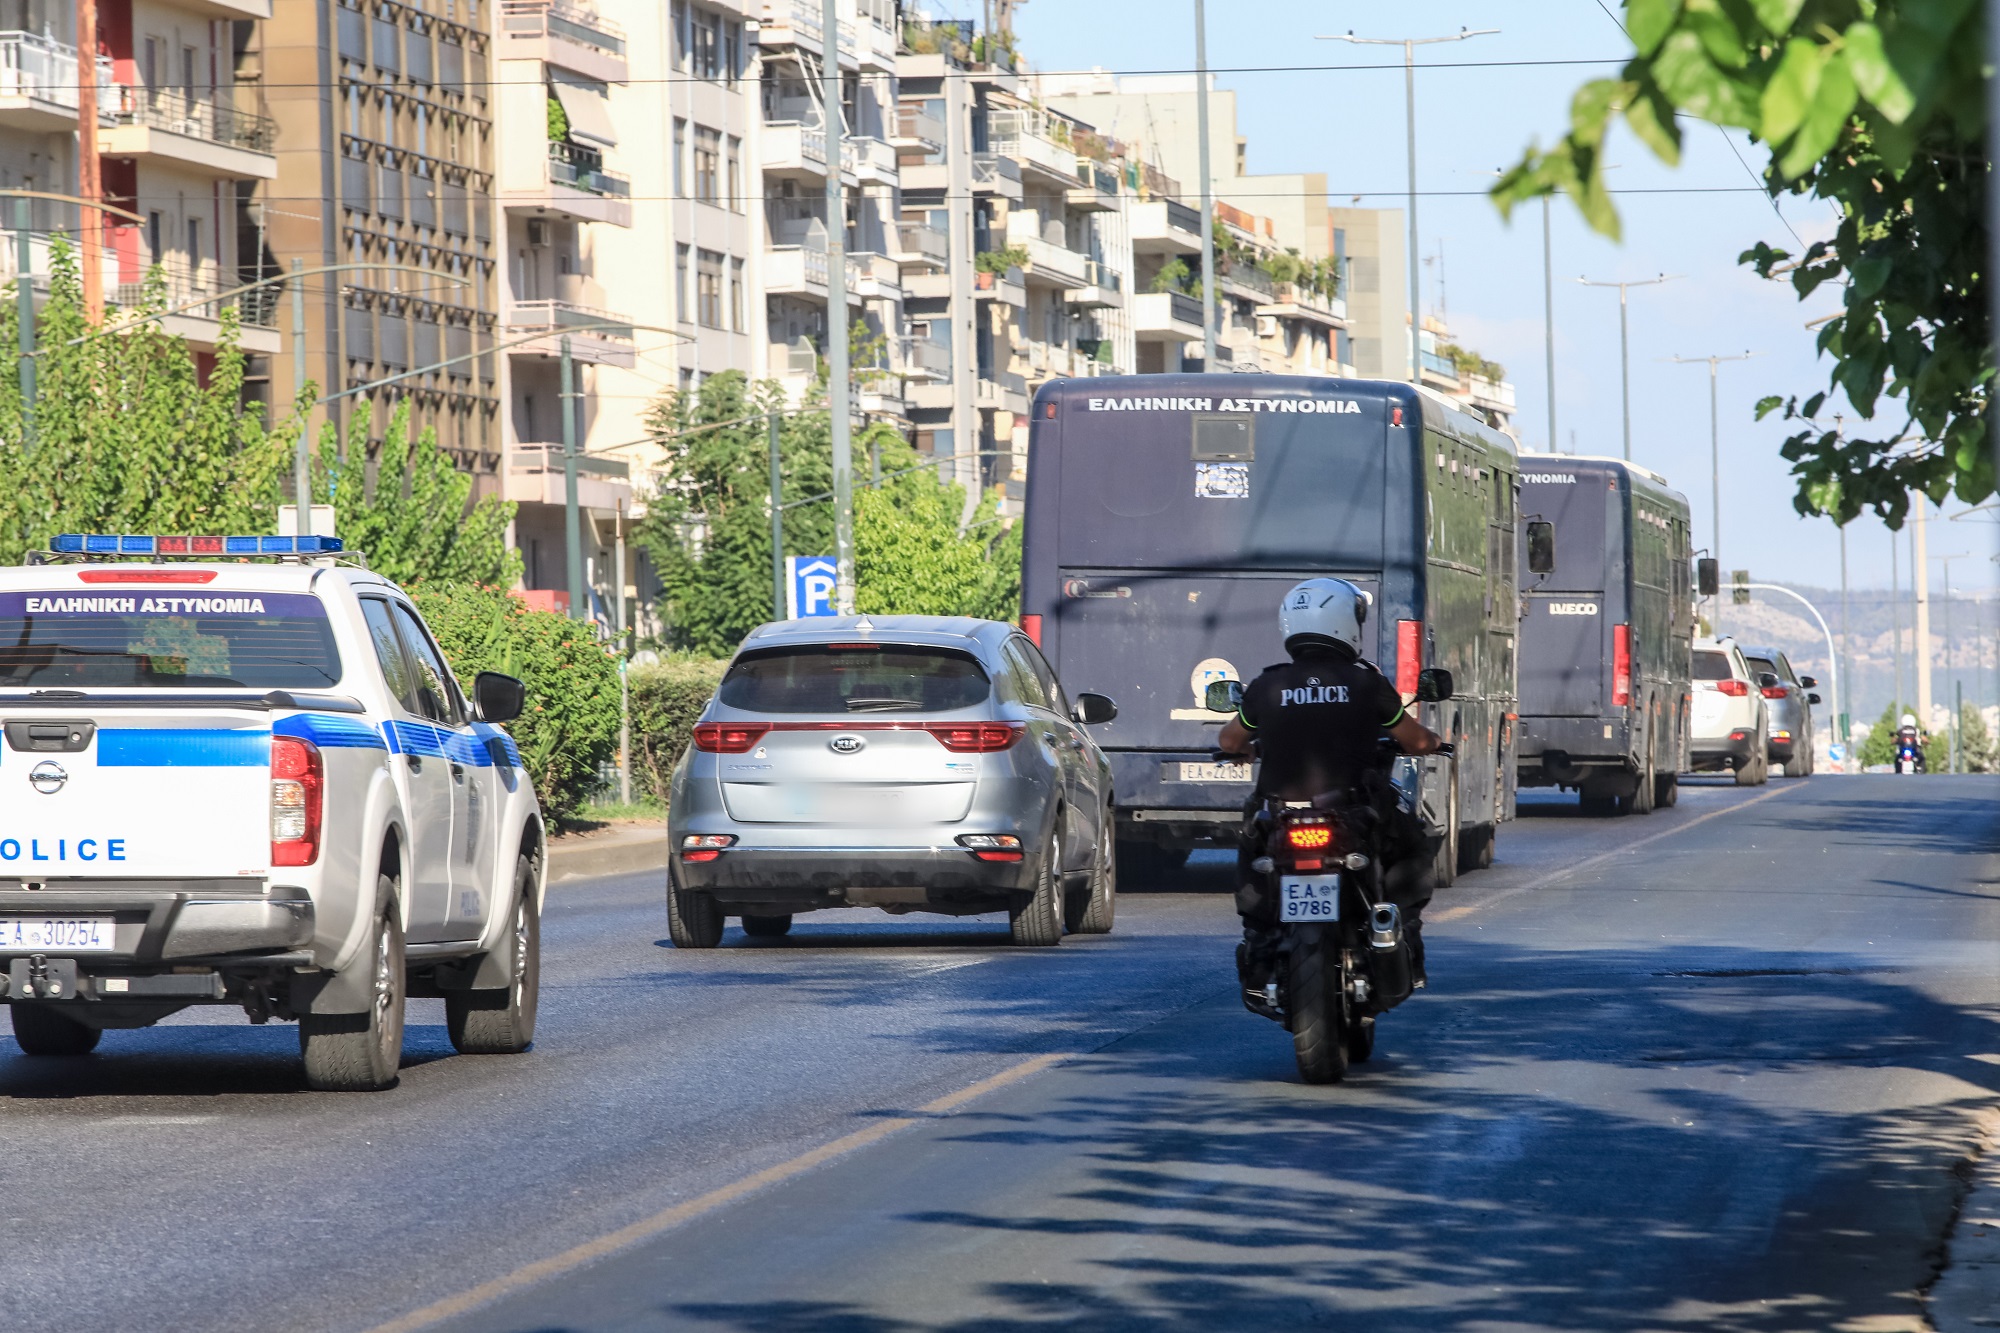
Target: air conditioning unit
(538, 234)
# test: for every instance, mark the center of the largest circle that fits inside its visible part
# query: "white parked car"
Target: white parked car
(1731, 727)
(254, 781)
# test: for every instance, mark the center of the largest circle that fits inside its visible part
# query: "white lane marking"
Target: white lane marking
(1453, 914)
(158, 1119)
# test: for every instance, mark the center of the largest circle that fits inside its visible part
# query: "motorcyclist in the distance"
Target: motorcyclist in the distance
(1318, 722)
(1909, 733)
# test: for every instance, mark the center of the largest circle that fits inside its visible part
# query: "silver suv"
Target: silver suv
(911, 763)
(1789, 703)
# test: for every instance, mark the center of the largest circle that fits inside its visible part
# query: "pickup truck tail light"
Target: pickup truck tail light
(298, 786)
(1621, 665)
(1735, 689)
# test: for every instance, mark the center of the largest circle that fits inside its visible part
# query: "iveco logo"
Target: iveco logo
(1572, 608)
(846, 744)
(47, 777)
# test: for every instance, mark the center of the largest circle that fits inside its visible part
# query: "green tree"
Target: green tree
(417, 521)
(1878, 108)
(1174, 276)
(1880, 747)
(1975, 743)
(910, 557)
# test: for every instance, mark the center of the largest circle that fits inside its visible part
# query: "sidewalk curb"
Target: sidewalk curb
(1966, 1296)
(623, 849)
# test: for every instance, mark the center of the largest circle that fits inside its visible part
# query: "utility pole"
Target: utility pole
(1844, 706)
(1920, 574)
(1714, 430)
(836, 308)
(1410, 45)
(1207, 190)
(1896, 620)
(301, 460)
(24, 304)
(89, 173)
(1951, 675)
(778, 598)
(624, 661)
(572, 519)
(1549, 318)
(1625, 345)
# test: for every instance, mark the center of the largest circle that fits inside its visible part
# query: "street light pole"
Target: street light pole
(777, 528)
(1207, 190)
(836, 312)
(572, 517)
(1549, 318)
(24, 299)
(301, 463)
(1625, 347)
(1714, 433)
(1410, 45)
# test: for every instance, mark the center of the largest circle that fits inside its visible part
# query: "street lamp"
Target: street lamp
(1714, 430)
(1625, 345)
(1410, 45)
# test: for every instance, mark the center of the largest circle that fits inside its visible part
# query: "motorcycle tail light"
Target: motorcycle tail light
(1309, 837)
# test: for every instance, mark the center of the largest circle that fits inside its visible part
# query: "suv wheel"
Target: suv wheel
(693, 919)
(1038, 920)
(501, 1021)
(43, 1029)
(1092, 911)
(362, 1052)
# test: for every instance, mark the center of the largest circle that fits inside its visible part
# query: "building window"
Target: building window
(681, 283)
(386, 44)
(153, 237)
(708, 289)
(739, 315)
(678, 171)
(194, 242)
(732, 51)
(707, 164)
(734, 160)
(707, 44)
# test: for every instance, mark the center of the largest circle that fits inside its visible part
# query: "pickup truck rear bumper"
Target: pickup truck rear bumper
(168, 923)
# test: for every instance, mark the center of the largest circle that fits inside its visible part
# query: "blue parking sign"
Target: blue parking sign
(809, 586)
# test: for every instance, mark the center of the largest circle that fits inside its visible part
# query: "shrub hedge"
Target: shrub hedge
(666, 701)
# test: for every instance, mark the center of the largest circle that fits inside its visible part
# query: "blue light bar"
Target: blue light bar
(77, 543)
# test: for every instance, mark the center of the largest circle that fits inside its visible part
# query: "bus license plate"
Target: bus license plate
(1309, 898)
(65, 934)
(1215, 772)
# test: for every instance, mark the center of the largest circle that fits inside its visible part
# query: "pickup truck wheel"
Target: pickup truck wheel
(42, 1029)
(693, 919)
(362, 1052)
(768, 927)
(1038, 921)
(501, 1020)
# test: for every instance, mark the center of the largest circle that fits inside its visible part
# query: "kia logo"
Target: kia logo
(47, 777)
(846, 744)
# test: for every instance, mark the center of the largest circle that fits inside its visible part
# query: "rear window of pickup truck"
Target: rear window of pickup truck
(170, 637)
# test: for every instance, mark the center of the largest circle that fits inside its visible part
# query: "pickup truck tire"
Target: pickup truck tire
(1037, 921)
(42, 1030)
(501, 1020)
(693, 919)
(363, 1052)
(768, 927)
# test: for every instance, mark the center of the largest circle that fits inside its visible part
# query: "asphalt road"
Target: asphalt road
(1713, 1068)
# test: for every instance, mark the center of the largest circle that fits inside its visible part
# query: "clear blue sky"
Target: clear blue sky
(1350, 125)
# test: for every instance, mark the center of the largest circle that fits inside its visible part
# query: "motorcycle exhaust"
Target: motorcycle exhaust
(1389, 956)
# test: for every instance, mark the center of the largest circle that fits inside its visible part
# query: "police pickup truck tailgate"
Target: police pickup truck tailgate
(134, 793)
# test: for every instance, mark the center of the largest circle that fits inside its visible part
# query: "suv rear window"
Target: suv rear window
(1757, 664)
(1712, 666)
(168, 637)
(854, 678)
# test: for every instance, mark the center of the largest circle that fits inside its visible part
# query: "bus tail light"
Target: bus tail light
(298, 784)
(1621, 665)
(1032, 627)
(1409, 655)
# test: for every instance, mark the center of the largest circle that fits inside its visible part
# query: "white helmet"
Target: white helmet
(1909, 720)
(1323, 611)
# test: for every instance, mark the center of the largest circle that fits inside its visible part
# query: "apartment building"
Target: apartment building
(182, 144)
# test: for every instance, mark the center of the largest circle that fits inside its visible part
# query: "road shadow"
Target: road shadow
(187, 1060)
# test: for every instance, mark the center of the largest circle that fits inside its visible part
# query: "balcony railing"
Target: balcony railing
(583, 169)
(560, 20)
(996, 173)
(197, 118)
(917, 126)
(1252, 278)
(1097, 273)
(1020, 135)
(37, 67)
(183, 283)
(550, 458)
(1097, 176)
(556, 316)
(1182, 218)
(917, 241)
(921, 356)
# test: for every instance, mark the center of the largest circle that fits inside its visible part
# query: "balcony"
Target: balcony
(1102, 287)
(1007, 393)
(571, 182)
(1247, 281)
(536, 475)
(916, 245)
(799, 23)
(1052, 265)
(38, 89)
(996, 175)
(872, 161)
(566, 36)
(940, 397)
(1027, 138)
(1166, 317)
(876, 277)
(598, 346)
(1494, 396)
(793, 148)
(802, 270)
(1291, 300)
(183, 284)
(169, 128)
(881, 398)
(926, 360)
(1163, 227)
(1097, 187)
(917, 131)
(1006, 288)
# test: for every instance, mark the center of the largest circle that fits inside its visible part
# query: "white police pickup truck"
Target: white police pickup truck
(236, 770)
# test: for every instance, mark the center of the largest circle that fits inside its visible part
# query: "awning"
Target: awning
(589, 113)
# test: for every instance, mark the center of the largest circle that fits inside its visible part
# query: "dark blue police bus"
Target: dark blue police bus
(1166, 515)
(1606, 638)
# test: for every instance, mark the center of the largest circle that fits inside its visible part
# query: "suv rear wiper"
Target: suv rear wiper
(879, 705)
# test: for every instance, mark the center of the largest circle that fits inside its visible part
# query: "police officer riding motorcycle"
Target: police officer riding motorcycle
(1333, 869)
(1909, 747)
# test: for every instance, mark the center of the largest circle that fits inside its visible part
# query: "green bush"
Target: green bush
(570, 725)
(666, 701)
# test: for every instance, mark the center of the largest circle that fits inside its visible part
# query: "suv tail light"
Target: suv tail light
(705, 846)
(728, 737)
(976, 737)
(1621, 665)
(298, 784)
(1735, 689)
(1409, 655)
(1776, 692)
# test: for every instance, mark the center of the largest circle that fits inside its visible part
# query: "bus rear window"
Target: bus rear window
(850, 678)
(1712, 666)
(166, 638)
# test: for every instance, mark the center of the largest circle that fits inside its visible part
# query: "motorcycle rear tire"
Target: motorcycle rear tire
(1318, 1010)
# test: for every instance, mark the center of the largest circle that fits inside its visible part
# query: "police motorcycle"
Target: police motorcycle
(1343, 957)
(1909, 747)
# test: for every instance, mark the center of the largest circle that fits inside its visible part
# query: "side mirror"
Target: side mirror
(1541, 546)
(1810, 682)
(1813, 699)
(1434, 685)
(1707, 576)
(1767, 680)
(498, 698)
(1091, 709)
(1223, 696)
